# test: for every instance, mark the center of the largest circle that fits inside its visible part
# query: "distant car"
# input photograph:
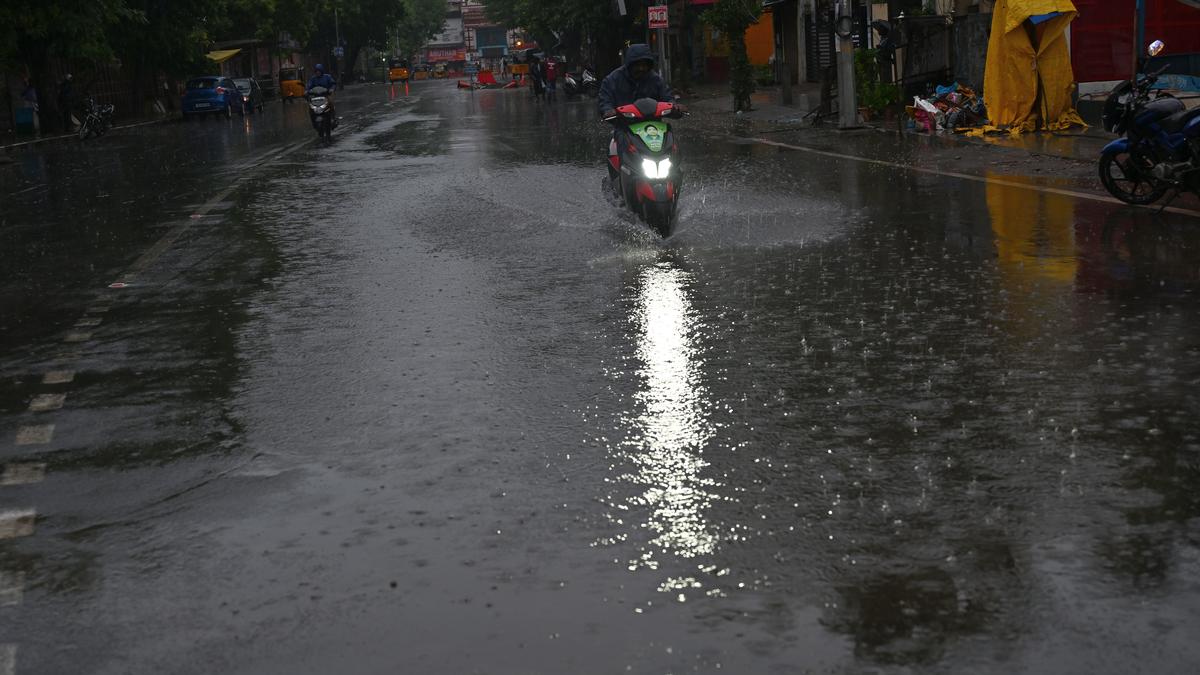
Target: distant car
(252, 95)
(211, 94)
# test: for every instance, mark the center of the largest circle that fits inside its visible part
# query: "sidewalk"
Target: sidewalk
(12, 142)
(770, 115)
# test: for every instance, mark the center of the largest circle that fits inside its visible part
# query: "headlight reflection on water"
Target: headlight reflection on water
(670, 426)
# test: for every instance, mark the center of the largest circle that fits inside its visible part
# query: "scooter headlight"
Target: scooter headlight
(656, 170)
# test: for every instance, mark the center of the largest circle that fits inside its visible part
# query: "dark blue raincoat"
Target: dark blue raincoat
(619, 88)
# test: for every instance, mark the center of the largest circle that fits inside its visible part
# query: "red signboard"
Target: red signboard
(657, 16)
(435, 54)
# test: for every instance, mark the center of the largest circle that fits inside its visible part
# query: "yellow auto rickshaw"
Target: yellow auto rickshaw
(291, 82)
(397, 70)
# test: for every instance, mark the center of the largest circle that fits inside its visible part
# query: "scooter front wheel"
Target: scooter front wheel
(660, 216)
(1128, 177)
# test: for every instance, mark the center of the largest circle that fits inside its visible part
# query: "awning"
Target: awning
(222, 55)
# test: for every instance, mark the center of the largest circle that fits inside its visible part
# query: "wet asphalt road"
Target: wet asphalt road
(424, 401)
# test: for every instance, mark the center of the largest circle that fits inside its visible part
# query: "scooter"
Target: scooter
(1160, 150)
(320, 111)
(96, 119)
(643, 167)
(584, 83)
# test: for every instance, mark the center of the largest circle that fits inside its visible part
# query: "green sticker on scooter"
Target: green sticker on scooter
(652, 134)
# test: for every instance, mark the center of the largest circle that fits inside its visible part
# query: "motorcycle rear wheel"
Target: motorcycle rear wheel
(1127, 177)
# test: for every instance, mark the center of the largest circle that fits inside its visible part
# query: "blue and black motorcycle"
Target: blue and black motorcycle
(1160, 149)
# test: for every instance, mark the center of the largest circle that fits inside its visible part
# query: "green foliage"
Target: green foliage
(872, 93)
(547, 17)
(34, 30)
(764, 75)
(421, 21)
(733, 17)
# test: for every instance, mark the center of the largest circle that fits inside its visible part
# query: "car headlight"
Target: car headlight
(656, 170)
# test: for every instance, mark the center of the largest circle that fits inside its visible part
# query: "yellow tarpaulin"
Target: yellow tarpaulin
(1028, 81)
(222, 55)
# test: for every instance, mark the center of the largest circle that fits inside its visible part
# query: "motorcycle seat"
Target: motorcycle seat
(1175, 123)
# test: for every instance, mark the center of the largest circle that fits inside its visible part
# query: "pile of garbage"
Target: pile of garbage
(951, 108)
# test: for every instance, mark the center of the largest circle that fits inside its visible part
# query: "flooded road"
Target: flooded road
(423, 400)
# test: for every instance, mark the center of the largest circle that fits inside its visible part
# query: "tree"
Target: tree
(549, 20)
(32, 32)
(733, 17)
(421, 21)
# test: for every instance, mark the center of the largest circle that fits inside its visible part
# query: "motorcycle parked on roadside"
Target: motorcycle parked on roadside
(581, 84)
(643, 164)
(97, 119)
(1160, 147)
(320, 111)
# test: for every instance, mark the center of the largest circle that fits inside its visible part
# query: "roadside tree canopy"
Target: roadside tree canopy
(1028, 80)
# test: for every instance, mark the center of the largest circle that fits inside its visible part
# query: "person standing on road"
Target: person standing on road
(66, 99)
(551, 78)
(537, 76)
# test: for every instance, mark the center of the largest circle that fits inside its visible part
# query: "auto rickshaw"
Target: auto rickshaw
(398, 70)
(291, 82)
(441, 70)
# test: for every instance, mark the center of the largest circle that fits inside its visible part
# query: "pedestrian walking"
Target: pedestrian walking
(537, 77)
(66, 99)
(551, 74)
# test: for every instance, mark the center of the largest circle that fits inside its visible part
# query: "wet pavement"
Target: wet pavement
(423, 400)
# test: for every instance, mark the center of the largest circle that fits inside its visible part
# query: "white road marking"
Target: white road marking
(17, 523)
(23, 473)
(964, 176)
(39, 434)
(58, 377)
(78, 337)
(12, 588)
(88, 322)
(44, 402)
(8, 659)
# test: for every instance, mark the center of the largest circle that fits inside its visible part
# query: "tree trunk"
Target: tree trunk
(741, 75)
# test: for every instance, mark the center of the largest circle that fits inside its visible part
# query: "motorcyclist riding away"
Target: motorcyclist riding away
(323, 79)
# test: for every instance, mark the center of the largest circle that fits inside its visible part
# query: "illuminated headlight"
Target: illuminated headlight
(320, 108)
(654, 169)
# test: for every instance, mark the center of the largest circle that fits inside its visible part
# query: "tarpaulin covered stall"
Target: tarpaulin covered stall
(1028, 82)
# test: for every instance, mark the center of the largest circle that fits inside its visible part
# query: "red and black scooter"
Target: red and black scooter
(643, 161)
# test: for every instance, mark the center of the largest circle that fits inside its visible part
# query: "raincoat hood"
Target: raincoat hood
(639, 53)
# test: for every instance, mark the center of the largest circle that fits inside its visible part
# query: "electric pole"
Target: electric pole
(847, 100)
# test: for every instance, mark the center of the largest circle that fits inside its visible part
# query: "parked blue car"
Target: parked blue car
(211, 94)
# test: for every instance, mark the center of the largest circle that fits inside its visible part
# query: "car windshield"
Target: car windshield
(202, 83)
(243, 85)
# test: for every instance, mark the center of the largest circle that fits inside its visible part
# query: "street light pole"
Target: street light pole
(337, 41)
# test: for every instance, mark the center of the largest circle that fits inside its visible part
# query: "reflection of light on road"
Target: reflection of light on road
(670, 430)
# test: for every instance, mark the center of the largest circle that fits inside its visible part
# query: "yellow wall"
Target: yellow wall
(760, 40)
